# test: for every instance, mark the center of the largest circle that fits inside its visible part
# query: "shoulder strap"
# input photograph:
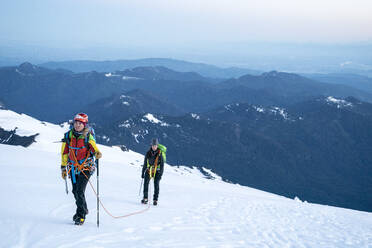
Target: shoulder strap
(156, 162)
(86, 139)
(157, 158)
(67, 137)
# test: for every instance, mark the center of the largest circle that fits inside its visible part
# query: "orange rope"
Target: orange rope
(80, 167)
(113, 216)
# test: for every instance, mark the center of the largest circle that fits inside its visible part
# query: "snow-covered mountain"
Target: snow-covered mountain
(193, 211)
(318, 150)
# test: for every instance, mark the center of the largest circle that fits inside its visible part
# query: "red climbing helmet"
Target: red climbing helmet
(81, 117)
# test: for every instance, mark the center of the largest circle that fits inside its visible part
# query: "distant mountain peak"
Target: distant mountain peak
(271, 74)
(27, 65)
(156, 73)
(282, 75)
(149, 69)
(27, 68)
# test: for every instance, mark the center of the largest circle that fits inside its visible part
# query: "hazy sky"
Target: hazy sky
(182, 23)
(144, 21)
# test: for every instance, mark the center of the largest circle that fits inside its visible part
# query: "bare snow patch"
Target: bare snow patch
(228, 107)
(126, 98)
(111, 75)
(125, 124)
(140, 134)
(195, 116)
(151, 118)
(280, 111)
(19, 72)
(339, 102)
(131, 78)
(258, 109)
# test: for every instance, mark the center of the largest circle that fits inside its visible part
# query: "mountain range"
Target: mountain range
(318, 150)
(28, 88)
(353, 80)
(206, 70)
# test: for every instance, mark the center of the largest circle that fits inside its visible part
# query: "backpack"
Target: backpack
(86, 140)
(163, 150)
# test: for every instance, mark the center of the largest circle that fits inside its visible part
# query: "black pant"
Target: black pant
(78, 189)
(156, 186)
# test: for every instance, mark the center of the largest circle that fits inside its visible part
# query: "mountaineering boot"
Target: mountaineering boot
(75, 217)
(155, 202)
(79, 221)
(144, 201)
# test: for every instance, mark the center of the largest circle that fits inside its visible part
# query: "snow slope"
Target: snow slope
(193, 211)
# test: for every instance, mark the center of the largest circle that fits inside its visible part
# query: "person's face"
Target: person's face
(79, 126)
(154, 147)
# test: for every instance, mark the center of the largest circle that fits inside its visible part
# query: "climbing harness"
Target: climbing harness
(76, 167)
(153, 168)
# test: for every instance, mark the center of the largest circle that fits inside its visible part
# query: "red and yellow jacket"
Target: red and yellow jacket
(83, 146)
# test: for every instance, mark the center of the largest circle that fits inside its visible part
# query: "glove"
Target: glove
(92, 169)
(64, 173)
(98, 155)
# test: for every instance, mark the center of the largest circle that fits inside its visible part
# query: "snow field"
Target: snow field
(193, 211)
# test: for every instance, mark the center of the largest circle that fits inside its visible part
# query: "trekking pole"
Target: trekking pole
(139, 193)
(66, 186)
(97, 192)
(66, 182)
